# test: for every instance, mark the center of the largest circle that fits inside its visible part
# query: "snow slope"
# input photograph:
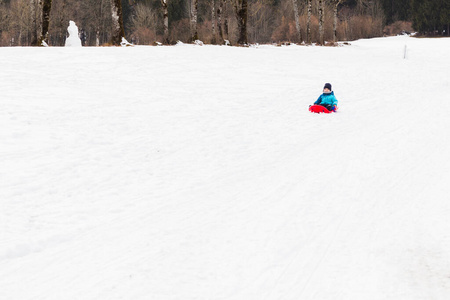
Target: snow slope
(197, 172)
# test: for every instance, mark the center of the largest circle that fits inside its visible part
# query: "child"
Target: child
(327, 99)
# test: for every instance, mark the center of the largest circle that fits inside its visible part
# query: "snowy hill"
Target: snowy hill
(197, 172)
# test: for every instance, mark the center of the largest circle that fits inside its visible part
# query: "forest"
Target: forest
(235, 22)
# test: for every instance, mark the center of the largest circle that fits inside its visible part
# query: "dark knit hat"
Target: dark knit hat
(327, 86)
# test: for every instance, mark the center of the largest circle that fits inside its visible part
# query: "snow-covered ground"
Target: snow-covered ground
(197, 172)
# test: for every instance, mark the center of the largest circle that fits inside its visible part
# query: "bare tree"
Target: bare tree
(166, 21)
(98, 24)
(3, 21)
(219, 20)
(21, 22)
(241, 12)
(34, 8)
(308, 23)
(263, 22)
(194, 18)
(297, 20)
(213, 22)
(143, 24)
(46, 8)
(95, 18)
(225, 20)
(222, 21)
(335, 17)
(321, 27)
(118, 31)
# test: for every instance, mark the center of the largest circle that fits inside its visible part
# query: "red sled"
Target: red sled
(320, 109)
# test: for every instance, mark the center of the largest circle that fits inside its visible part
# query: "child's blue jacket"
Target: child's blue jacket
(327, 99)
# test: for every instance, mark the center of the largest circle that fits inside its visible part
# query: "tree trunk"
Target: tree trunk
(225, 23)
(98, 25)
(297, 21)
(97, 38)
(194, 17)
(166, 22)
(308, 23)
(321, 40)
(241, 11)
(219, 20)
(19, 39)
(61, 24)
(46, 8)
(335, 19)
(213, 23)
(117, 20)
(34, 16)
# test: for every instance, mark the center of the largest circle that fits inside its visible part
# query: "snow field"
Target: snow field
(194, 172)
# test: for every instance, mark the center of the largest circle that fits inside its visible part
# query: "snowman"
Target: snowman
(73, 40)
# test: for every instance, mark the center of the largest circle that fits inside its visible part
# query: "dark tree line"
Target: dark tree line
(397, 10)
(103, 22)
(430, 17)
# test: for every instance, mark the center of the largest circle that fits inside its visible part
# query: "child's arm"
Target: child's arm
(319, 100)
(335, 101)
